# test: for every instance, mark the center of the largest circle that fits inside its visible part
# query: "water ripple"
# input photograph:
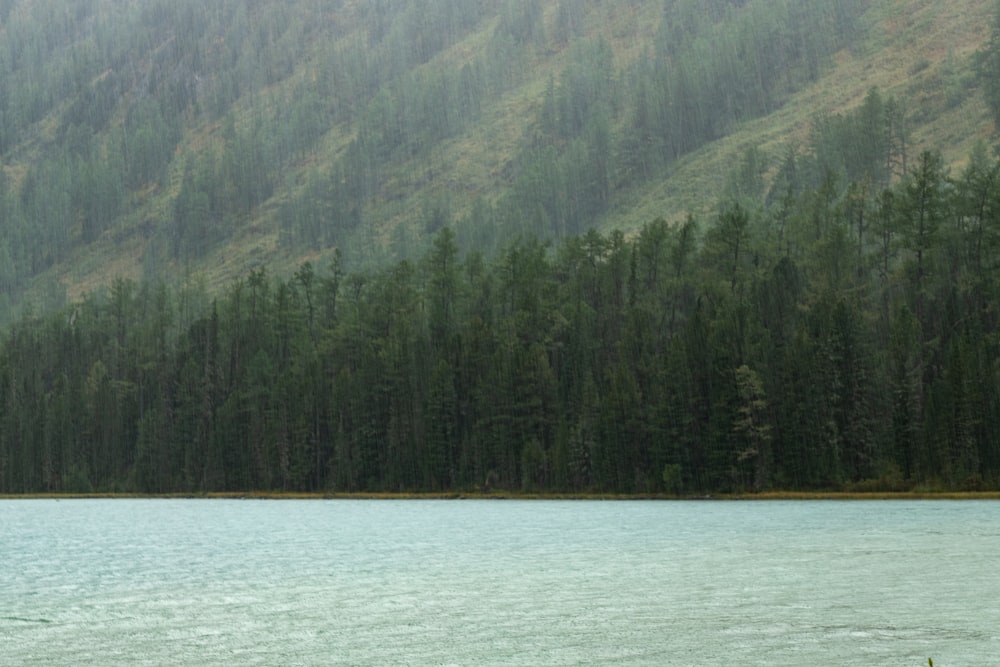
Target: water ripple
(191, 582)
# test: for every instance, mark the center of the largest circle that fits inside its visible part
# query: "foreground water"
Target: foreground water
(196, 582)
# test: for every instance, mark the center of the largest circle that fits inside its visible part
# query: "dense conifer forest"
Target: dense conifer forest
(826, 319)
(842, 336)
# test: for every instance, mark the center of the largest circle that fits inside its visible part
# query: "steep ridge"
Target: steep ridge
(172, 141)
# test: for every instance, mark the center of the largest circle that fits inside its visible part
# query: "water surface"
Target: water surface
(424, 582)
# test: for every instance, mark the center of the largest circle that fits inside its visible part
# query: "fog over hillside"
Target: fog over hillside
(676, 248)
(175, 140)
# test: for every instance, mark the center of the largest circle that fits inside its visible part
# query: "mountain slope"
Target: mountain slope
(919, 52)
(165, 140)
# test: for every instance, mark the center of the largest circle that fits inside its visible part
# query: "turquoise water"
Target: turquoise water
(229, 582)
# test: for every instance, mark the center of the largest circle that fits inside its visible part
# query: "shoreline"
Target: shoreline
(504, 495)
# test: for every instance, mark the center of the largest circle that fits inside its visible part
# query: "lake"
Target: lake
(486, 582)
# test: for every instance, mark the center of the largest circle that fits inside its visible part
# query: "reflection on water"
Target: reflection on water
(194, 582)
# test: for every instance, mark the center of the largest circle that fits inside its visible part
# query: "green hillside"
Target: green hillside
(675, 247)
(174, 140)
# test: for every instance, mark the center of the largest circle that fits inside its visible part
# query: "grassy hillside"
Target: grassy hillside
(920, 52)
(245, 134)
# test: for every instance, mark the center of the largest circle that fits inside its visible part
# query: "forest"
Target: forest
(165, 135)
(837, 329)
(379, 322)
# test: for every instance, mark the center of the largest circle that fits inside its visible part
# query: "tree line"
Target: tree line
(820, 333)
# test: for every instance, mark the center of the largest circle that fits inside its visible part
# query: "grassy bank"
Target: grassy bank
(510, 495)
